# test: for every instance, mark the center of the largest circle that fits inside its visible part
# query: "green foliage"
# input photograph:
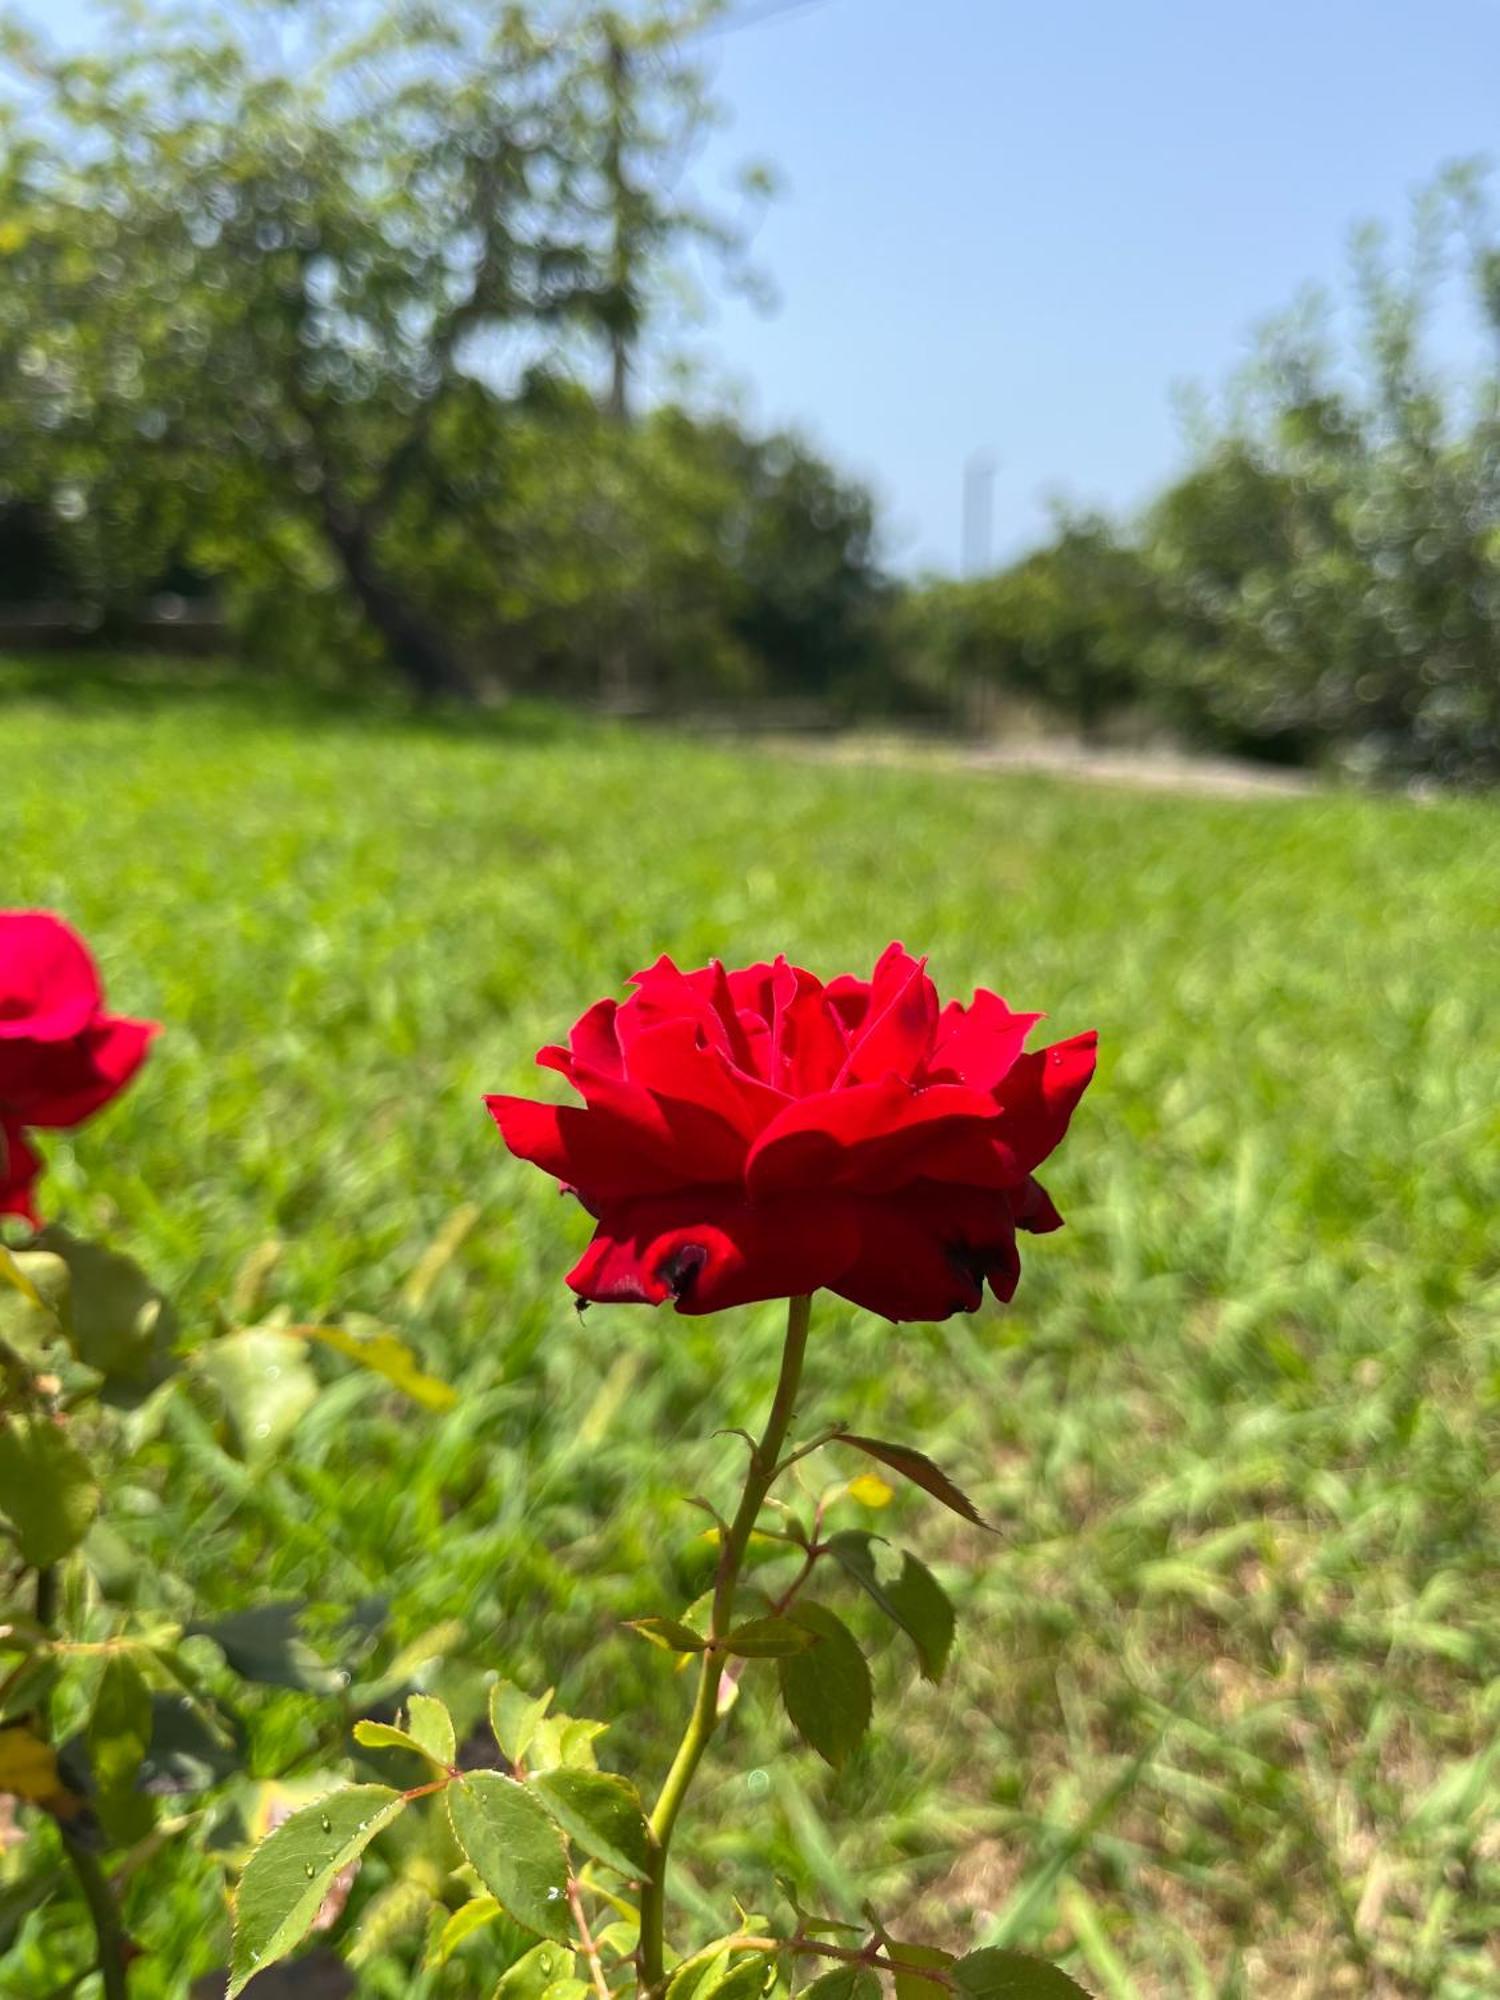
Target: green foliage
(542, 1968)
(1069, 626)
(919, 1469)
(767, 1639)
(844, 1982)
(293, 1869)
(1237, 1428)
(1010, 1975)
(120, 1728)
(906, 1591)
(116, 1320)
(516, 1717)
(600, 1812)
(826, 1690)
(1324, 581)
(48, 1493)
(1329, 572)
(515, 1847)
(248, 333)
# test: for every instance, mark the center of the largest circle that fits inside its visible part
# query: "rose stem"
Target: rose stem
(109, 1932)
(705, 1715)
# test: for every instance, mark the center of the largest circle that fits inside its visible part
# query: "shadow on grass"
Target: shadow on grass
(108, 683)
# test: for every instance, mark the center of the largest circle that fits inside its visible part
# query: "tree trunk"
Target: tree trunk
(418, 651)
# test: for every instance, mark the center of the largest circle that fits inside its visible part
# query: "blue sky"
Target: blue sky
(1013, 226)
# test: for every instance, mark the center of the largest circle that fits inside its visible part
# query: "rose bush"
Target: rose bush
(62, 1058)
(758, 1134)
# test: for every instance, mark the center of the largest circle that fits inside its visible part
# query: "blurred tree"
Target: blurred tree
(1329, 572)
(1068, 625)
(717, 562)
(251, 264)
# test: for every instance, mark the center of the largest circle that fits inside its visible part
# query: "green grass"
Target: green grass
(1223, 1715)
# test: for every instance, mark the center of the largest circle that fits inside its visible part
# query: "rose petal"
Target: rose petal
(709, 1248)
(49, 989)
(19, 1168)
(674, 1064)
(601, 1155)
(810, 1045)
(1033, 1210)
(870, 1136)
(66, 1082)
(1036, 1098)
(848, 1001)
(926, 1252)
(1039, 1093)
(624, 1140)
(595, 1038)
(665, 993)
(979, 1043)
(896, 1037)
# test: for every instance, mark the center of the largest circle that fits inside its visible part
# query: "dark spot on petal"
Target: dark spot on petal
(679, 1271)
(969, 1262)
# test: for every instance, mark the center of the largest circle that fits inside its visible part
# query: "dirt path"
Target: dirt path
(1150, 770)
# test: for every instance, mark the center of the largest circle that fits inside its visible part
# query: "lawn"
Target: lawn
(1223, 1714)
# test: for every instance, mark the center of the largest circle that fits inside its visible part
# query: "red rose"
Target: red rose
(61, 1056)
(757, 1134)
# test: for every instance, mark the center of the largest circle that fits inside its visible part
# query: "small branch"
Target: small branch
(98, 1895)
(586, 1939)
(806, 1450)
(108, 1929)
(846, 1954)
(763, 1468)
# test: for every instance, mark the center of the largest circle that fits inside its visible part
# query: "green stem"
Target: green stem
(701, 1724)
(109, 1930)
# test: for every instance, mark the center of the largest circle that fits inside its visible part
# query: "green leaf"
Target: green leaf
(565, 1739)
(601, 1812)
(743, 1981)
(695, 1976)
(473, 1916)
(826, 1691)
(920, 1470)
(917, 1959)
(14, 1272)
(47, 1489)
(33, 1302)
(190, 1750)
(117, 1320)
(514, 1717)
(430, 1727)
(386, 1354)
(514, 1847)
(265, 1384)
(844, 1982)
(670, 1634)
(289, 1874)
(993, 1974)
(530, 1977)
(387, 1736)
(265, 1644)
(119, 1737)
(913, 1598)
(768, 1639)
